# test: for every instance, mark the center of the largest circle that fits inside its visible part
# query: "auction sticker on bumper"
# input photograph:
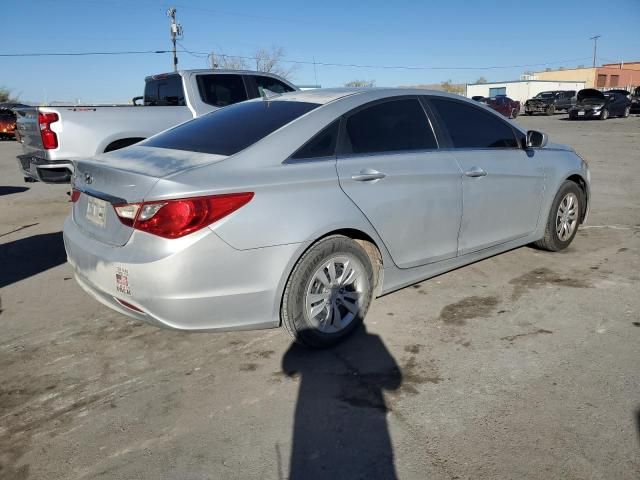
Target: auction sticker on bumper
(122, 281)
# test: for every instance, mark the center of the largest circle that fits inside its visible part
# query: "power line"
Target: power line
(300, 62)
(81, 54)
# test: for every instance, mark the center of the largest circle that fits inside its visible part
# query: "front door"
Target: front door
(502, 183)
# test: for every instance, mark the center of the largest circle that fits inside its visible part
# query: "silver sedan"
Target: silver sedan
(298, 210)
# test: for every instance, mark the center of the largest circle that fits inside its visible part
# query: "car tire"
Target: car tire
(604, 114)
(564, 218)
(550, 110)
(514, 113)
(627, 112)
(328, 292)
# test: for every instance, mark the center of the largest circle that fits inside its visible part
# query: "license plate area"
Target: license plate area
(96, 211)
(580, 114)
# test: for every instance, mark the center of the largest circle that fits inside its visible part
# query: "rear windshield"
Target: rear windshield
(231, 129)
(164, 91)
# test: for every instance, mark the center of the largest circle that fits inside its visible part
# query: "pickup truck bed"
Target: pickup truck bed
(53, 138)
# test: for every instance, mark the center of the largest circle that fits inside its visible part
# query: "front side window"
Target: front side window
(271, 84)
(397, 125)
(221, 90)
(230, 130)
(322, 145)
(164, 91)
(471, 127)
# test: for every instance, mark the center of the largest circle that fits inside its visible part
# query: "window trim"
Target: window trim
(290, 158)
(447, 136)
(203, 74)
(343, 147)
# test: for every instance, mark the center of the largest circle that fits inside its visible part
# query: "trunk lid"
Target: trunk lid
(123, 176)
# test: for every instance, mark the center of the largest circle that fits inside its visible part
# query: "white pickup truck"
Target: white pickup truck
(54, 137)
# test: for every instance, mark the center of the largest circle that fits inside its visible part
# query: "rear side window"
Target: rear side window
(397, 125)
(221, 90)
(271, 84)
(322, 145)
(166, 91)
(471, 127)
(230, 130)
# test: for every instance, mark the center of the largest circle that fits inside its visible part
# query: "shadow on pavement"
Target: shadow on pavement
(340, 426)
(10, 190)
(29, 256)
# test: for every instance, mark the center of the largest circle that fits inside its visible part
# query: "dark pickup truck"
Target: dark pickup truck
(550, 102)
(635, 100)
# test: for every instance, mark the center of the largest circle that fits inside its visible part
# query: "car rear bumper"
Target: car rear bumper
(196, 283)
(47, 171)
(577, 114)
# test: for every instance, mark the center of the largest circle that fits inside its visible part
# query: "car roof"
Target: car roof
(325, 95)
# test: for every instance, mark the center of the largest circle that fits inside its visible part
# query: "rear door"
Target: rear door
(390, 165)
(502, 183)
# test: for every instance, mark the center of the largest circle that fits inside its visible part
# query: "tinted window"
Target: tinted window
(322, 145)
(221, 90)
(390, 126)
(470, 127)
(272, 84)
(229, 130)
(166, 91)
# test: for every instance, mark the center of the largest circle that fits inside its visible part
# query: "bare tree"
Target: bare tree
(450, 87)
(481, 80)
(361, 83)
(263, 60)
(227, 62)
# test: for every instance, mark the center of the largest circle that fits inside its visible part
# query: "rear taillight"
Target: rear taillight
(49, 137)
(75, 195)
(177, 218)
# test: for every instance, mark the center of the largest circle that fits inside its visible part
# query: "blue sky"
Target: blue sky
(435, 34)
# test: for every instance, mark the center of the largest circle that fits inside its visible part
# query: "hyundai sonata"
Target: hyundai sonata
(298, 210)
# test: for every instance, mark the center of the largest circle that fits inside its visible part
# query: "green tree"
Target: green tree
(5, 95)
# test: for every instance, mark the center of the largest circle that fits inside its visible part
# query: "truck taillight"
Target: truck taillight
(49, 137)
(177, 218)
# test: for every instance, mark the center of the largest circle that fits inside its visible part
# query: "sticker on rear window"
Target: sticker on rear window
(122, 281)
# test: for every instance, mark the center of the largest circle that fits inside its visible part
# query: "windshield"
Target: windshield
(545, 95)
(231, 129)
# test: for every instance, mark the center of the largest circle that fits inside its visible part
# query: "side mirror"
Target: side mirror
(536, 139)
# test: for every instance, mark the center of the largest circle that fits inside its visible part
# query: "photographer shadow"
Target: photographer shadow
(340, 429)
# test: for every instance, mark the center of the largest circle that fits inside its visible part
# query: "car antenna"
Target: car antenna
(267, 94)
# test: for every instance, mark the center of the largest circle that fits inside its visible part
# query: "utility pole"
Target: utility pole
(176, 31)
(595, 47)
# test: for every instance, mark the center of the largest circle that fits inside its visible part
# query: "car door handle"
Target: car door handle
(475, 172)
(368, 175)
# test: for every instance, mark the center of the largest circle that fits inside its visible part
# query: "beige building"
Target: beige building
(610, 75)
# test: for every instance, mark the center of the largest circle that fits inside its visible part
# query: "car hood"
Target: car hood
(542, 100)
(590, 93)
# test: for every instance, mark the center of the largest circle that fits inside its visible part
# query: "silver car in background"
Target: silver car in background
(298, 210)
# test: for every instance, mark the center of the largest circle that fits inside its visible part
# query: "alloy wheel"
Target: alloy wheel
(334, 295)
(567, 216)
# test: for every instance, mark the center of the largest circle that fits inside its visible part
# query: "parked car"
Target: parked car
(635, 101)
(7, 124)
(593, 103)
(503, 104)
(54, 137)
(550, 102)
(298, 211)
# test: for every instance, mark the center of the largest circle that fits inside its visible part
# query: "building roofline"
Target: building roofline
(524, 81)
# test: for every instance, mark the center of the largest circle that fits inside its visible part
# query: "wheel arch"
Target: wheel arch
(582, 183)
(122, 143)
(366, 241)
